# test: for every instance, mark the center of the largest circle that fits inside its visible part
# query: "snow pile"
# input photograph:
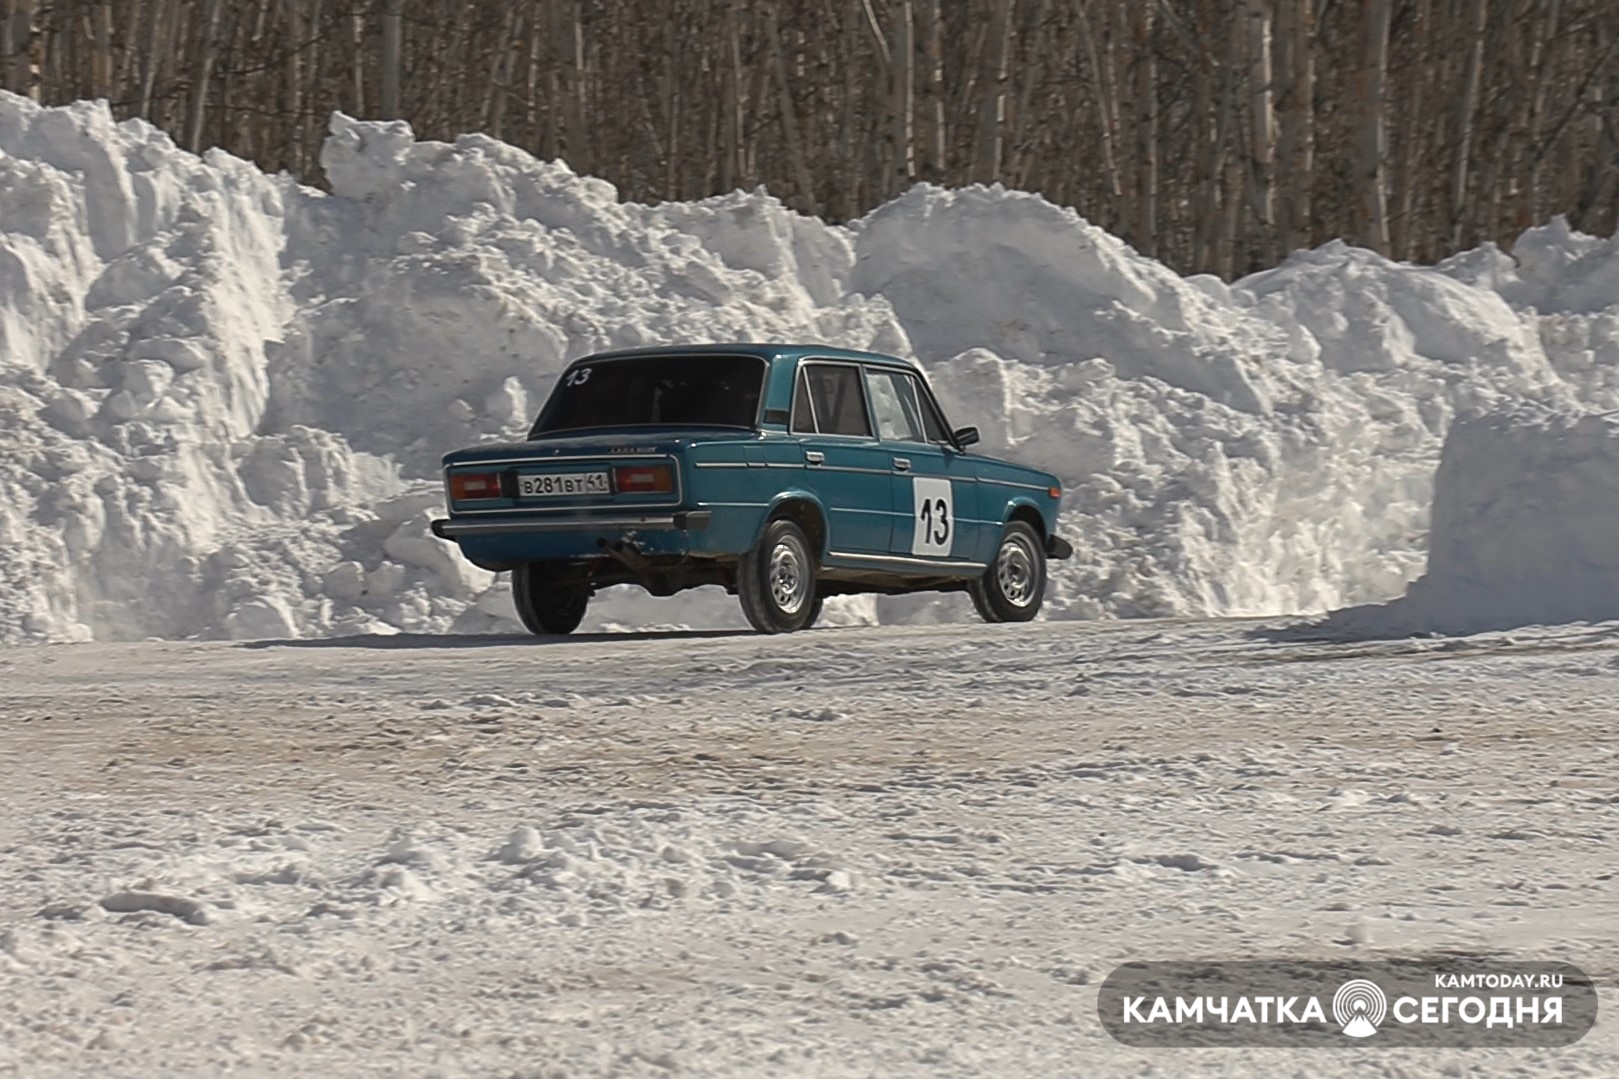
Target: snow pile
(1525, 529)
(224, 395)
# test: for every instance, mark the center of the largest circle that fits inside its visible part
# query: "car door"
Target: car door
(844, 464)
(935, 486)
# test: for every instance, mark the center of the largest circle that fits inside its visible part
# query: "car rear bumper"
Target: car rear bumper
(685, 521)
(1058, 548)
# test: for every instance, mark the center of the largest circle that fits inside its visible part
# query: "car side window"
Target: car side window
(893, 399)
(838, 399)
(803, 407)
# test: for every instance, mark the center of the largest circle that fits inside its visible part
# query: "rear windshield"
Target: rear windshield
(655, 391)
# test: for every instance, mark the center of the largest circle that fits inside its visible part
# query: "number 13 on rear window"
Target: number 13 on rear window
(933, 518)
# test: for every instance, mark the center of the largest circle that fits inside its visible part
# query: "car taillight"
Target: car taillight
(471, 486)
(643, 479)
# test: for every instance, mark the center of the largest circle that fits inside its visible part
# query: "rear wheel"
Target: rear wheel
(776, 580)
(1014, 585)
(545, 604)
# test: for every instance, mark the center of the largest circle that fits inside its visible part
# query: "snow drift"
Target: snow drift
(1525, 529)
(224, 394)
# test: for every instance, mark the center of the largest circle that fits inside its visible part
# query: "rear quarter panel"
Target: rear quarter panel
(741, 481)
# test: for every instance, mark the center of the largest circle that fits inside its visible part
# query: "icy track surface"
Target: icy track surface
(853, 852)
(223, 396)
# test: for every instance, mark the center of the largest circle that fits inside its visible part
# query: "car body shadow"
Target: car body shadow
(489, 640)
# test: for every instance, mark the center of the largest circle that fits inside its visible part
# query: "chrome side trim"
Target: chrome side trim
(941, 563)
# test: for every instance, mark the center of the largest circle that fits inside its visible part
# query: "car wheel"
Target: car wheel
(1014, 585)
(776, 580)
(544, 604)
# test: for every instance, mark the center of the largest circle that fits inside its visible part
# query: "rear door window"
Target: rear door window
(831, 400)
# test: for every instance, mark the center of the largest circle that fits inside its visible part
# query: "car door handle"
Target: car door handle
(902, 464)
(814, 457)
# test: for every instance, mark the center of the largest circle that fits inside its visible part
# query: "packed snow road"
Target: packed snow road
(845, 852)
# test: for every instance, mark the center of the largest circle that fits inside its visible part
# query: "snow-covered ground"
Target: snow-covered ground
(852, 851)
(223, 395)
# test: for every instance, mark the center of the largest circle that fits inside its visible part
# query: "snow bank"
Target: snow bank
(224, 395)
(1525, 529)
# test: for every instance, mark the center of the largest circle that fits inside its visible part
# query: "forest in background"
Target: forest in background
(1216, 135)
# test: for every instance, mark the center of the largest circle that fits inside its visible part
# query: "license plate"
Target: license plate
(563, 483)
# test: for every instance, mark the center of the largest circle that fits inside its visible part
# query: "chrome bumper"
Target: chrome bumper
(689, 521)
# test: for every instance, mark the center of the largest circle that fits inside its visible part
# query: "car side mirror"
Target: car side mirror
(965, 436)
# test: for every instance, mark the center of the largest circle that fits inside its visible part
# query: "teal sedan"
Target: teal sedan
(785, 473)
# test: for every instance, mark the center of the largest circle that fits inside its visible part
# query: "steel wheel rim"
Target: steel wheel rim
(1014, 571)
(788, 584)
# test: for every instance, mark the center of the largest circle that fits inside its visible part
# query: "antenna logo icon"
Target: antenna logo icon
(1359, 1006)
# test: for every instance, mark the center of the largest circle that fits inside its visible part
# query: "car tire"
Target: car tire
(545, 605)
(1014, 585)
(776, 580)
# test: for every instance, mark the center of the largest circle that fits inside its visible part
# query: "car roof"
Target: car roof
(765, 350)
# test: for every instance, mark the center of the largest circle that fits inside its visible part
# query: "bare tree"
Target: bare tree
(1467, 115)
(392, 51)
(1214, 134)
(992, 99)
(19, 28)
(202, 71)
(1371, 190)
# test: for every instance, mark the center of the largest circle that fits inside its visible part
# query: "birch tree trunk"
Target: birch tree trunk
(992, 94)
(1295, 47)
(101, 49)
(20, 25)
(1106, 105)
(1371, 191)
(935, 144)
(202, 73)
(902, 96)
(293, 15)
(1145, 106)
(1467, 115)
(392, 51)
(789, 114)
(1227, 247)
(1261, 129)
(151, 31)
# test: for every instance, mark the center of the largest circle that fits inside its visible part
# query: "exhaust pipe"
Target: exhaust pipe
(626, 554)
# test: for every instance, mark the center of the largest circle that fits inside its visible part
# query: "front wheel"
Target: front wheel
(1014, 585)
(546, 605)
(776, 580)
